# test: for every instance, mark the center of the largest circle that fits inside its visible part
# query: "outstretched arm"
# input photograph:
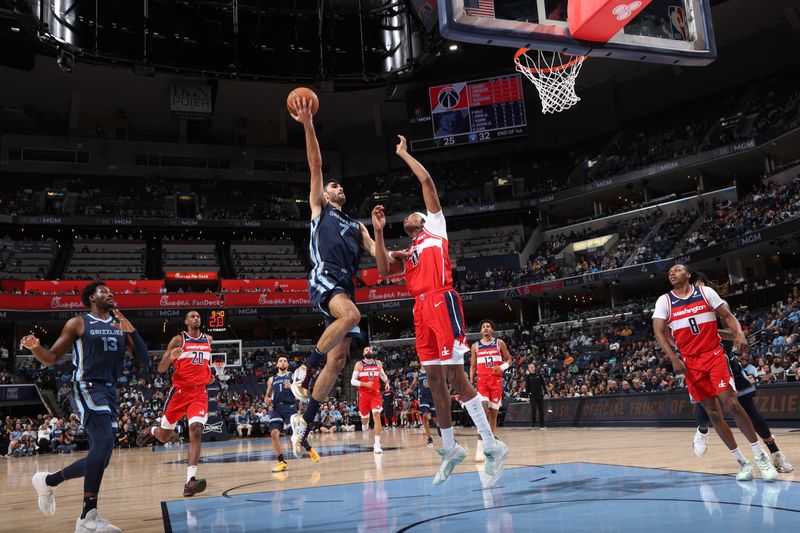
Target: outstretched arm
(429, 193)
(302, 114)
(389, 264)
(69, 333)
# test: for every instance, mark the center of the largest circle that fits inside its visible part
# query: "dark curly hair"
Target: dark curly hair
(88, 290)
(486, 321)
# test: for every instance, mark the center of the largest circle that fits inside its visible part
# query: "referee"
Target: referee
(534, 386)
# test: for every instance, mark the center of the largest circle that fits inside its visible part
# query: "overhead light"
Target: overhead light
(453, 47)
(14, 29)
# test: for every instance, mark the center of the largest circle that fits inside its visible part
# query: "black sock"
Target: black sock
(703, 430)
(773, 447)
(89, 503)
(281, 458)
(54, 480)
(314, 359)
(311, 413)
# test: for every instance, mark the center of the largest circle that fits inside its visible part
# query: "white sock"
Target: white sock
(448, 439)
(478, 415)
(757, 449)
(190, 473)
(377, 440)
(739, 455)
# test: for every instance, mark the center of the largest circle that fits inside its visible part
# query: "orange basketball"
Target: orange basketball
(302, 92)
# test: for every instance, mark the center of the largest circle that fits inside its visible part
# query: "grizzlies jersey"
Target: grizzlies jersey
(335, 244)
(281, 389)
(99, 352)
(422, 387)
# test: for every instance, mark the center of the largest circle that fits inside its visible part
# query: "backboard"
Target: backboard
(675, 32)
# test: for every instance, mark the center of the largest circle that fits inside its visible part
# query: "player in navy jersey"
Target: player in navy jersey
(426, 406)
(336, 245)
(99, 340)
(283, 405)
(745, 394)
(690, 315)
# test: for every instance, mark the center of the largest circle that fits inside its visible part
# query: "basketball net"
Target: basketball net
(553, 74)
(220, 367)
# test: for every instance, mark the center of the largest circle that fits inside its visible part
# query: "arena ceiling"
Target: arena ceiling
(342, 43)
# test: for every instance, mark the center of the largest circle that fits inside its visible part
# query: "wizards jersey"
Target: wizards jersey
(193, 366)
(428, 268)
(692, 320)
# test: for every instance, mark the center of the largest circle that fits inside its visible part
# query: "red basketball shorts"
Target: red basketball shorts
(369, 402)
(190, 401)
(707, 374)
(440, 330)
(491, 388)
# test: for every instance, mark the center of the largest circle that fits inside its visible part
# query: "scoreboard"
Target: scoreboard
(467, 112)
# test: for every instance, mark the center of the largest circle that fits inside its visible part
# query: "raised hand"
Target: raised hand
(124, 324)
(378, 218)
(401, 145)
(29, 342)
(175, 353)
(302, 110)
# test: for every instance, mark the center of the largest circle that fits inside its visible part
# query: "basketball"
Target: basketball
(302, 92)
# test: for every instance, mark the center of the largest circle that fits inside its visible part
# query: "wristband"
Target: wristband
(504, 366)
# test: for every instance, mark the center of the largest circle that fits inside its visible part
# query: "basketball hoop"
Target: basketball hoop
(220, 367)
(553, 74)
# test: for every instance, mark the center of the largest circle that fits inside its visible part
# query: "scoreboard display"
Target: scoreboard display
(467, 112)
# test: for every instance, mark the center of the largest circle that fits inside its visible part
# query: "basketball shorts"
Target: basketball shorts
(92, 399)
(324, 284)
(491, 388)
(189, 401)
(440, 331)
(426, 405)
(280, 416)
(707, 374)
(369, 402)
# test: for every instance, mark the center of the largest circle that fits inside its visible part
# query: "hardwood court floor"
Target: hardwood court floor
(243, 495)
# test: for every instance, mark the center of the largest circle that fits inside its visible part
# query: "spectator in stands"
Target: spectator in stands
(243, 423)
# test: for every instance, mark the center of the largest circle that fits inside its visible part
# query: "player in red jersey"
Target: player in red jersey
(690, 314)
(190, 354)
(367, 376)
(489, 359)
(438, 321)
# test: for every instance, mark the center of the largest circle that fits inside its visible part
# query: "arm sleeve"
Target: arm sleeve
(139, 350)
(436, 224)
(713, 298)
(662, 307)
(354, 381)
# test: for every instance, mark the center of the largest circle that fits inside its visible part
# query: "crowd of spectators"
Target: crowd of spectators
(769, 204)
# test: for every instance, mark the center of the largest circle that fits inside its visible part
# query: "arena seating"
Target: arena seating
(106, 259)
(267, 260)
(26, 259)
